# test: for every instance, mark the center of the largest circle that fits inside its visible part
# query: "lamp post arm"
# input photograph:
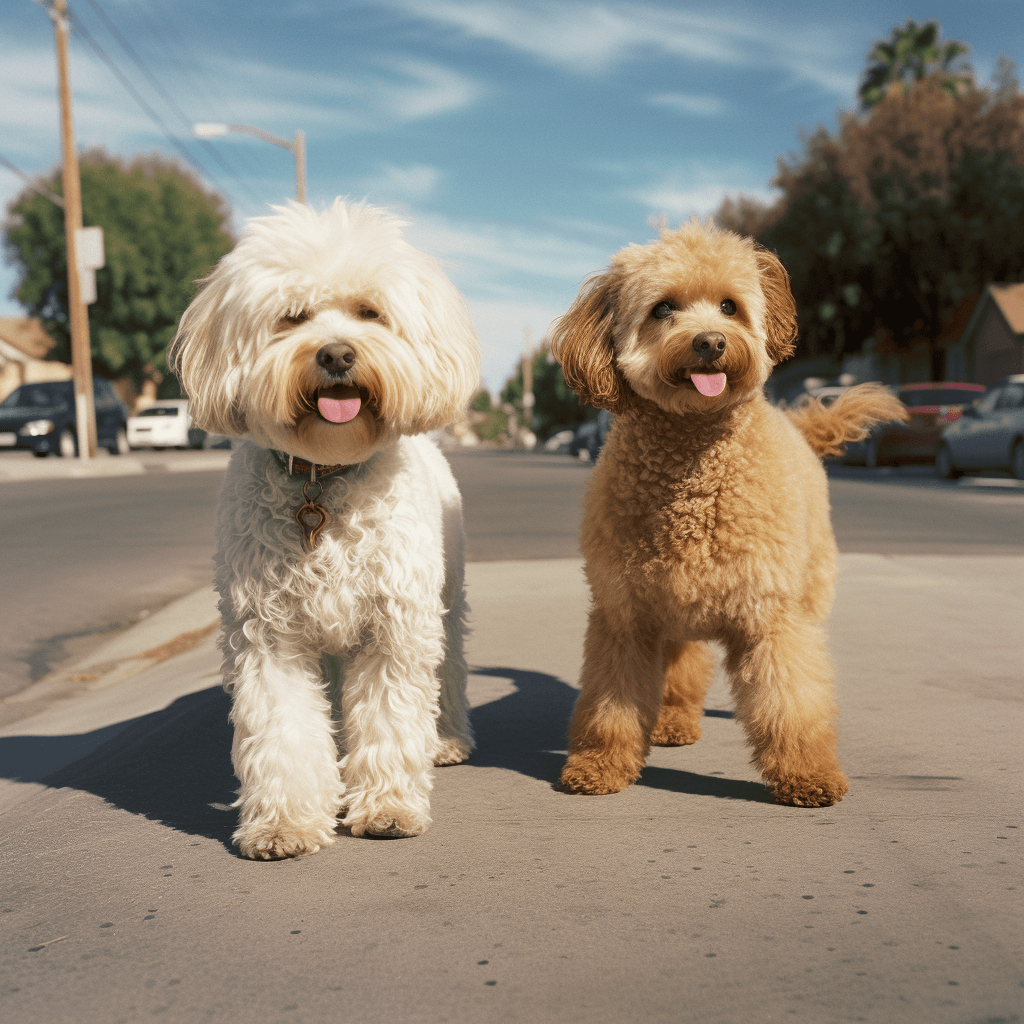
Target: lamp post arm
(259, 133)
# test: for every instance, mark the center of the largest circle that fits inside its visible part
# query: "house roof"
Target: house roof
(26, 334)
(1010, 300)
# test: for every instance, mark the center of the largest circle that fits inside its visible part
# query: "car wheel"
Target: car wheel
(871, 459)
(120, 445)
(944, 464)
(38, 454)
(1017, 460)
(67, 444)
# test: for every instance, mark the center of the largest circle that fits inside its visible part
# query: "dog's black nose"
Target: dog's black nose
(709, 345)
(336, 357)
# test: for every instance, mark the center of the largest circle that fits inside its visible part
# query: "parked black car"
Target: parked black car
(42, 417)
(590, 437)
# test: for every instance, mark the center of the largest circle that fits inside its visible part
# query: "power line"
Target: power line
(41, 189)
(87, 38)
(168, 99)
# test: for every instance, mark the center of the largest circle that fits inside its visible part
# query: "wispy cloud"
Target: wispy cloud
(697, 190)
(696, 104)
(393, 184)
(592, 38)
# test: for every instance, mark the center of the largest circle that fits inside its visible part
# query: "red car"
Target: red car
(932, 407)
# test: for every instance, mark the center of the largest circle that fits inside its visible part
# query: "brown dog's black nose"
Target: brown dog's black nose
(709, 345)
(336, 357)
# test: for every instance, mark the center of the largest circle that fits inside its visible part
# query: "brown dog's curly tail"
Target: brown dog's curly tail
(830, 428)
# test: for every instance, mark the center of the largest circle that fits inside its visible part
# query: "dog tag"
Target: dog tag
(311, 519)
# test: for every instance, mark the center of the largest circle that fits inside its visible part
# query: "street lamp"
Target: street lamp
(298, 147)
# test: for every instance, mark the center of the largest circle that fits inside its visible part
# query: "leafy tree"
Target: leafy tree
(555, 406)
(162, 230)
(889, 224)
(914, 52)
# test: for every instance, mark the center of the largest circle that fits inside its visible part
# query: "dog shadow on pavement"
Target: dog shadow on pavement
(525, 732)
(172, 766)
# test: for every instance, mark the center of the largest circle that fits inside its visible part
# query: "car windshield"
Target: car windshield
(1011, 396)
(39, 396)
(938, 396)
(160, 410)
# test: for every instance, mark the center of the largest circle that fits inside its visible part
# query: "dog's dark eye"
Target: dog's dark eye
(663, 310)
(728, 307)
(296, 318)
(369, 314)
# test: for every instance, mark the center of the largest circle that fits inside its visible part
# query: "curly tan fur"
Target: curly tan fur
(706, 518)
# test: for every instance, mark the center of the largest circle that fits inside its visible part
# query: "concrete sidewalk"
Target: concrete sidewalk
(688, 897)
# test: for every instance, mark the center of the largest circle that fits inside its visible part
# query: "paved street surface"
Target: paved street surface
(689, 897)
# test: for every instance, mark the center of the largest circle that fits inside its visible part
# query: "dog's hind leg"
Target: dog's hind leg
(453, 729)
(283, 752)
(782, 681)
(619, 701)
(689, 668)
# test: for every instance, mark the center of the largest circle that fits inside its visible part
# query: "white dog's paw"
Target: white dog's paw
(390, 824)
(451, 752)
(275, 841)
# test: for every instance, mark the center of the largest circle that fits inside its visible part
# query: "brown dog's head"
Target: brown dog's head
(694, 321)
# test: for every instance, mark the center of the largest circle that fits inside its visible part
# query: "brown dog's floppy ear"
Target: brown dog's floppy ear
(581, 341)
(780, 309)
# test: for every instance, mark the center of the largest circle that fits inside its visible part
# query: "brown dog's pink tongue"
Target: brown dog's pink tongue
(338, 410)
(709, 384)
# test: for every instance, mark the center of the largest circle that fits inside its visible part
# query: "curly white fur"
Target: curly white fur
(344, 662)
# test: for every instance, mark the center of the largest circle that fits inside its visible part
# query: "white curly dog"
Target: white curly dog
(332, 345)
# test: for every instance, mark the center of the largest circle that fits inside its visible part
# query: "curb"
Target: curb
(19, 470)
(180, 627)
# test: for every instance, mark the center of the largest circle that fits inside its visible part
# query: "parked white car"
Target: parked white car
(164, 424)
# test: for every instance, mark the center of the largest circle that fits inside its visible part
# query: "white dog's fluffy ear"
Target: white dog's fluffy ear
(449, 358)
(205, 356)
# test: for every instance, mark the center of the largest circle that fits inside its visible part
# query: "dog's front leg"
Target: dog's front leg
(390, 707)
(618, 705)
(283, 752)
(782, 681)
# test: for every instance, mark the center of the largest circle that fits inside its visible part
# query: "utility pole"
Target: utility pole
(528, 399)
(78, 314)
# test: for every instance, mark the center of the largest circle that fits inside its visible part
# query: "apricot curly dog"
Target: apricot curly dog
(707, 516)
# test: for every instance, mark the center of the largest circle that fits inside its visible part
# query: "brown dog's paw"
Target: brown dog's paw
(820, 791)
(675, 728)
(592, 773)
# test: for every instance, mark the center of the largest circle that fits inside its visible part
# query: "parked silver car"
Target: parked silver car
(988, 435)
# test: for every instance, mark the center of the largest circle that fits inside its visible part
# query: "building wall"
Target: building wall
(997, 351)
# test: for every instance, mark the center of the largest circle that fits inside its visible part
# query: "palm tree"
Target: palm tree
(911, 53)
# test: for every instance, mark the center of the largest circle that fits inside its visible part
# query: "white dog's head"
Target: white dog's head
(324, 335)
(693, 322)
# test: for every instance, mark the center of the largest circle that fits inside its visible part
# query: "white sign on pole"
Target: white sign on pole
(91, 257)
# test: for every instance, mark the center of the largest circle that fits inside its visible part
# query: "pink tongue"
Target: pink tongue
(709, 384)
(338, 410)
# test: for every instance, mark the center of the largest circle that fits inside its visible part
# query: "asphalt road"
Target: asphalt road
(85, 558)
(690, 898)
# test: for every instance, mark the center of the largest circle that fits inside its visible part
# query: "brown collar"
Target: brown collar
(302, 467)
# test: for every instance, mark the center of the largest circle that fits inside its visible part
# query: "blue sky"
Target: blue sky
(525, 140)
